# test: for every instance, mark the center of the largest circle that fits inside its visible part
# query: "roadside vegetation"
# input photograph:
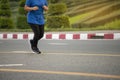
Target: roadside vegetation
(83, 15)
(96, 15)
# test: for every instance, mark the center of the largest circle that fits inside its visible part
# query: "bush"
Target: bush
(22, 22)
(22, 19)
(6, 23)
(56, 19)
(56, 9)
(14, 0)
(22, 11)
(5, 15)
(58, 22)
(22, 3)
(5, 8)
(21, 7)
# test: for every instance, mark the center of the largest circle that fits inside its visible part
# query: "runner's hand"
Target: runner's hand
(35, 8)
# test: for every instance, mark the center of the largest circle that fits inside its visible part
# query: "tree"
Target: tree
(56, 18)
(5, 15)
(22, 19)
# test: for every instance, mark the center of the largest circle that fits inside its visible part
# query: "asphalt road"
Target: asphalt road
(63, 46)
(60, 60)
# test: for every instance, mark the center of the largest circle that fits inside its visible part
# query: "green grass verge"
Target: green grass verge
(114, 25)
(77, 18)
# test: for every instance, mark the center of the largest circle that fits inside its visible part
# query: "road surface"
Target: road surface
(60, 60)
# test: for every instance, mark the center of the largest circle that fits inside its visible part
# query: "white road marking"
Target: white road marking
(58, 43)
(19, 51)
(9, 65)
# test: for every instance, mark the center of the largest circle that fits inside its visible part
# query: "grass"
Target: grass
(85, 16)
(72, 11)
(77, 18)
(114, 25)
(97, 17)
(107, 17)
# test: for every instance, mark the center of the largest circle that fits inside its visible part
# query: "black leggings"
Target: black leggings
(38, 32)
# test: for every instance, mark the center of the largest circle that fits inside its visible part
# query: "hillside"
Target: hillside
(87, 13)
(94, 13)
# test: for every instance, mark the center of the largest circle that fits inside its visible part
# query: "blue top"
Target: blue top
(36, 17)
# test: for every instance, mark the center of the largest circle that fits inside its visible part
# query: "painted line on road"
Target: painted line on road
(84, 54)
(15, 52)
(10, 65)
(20, 52)
(58, 44)
(62, 73)
(66, 54)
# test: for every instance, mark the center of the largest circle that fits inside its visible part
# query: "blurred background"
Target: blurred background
(64, 15)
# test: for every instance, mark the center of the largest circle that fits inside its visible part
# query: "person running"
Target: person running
(35, 18)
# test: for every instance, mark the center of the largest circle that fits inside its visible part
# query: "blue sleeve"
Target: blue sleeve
(27, 2)
(46, 3)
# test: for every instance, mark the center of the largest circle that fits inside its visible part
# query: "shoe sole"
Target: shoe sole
(32, 49)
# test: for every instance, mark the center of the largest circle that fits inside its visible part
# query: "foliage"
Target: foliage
(100, 16)
(114, 25)
(21, 8)
(6, 23)
(5, 15)
(56, 19)
(22, 22)
(82, 12)
(5, 8)
(22, 11)
(14, 0)
(22, 19)
(54, 1)
(58, 8)
(58, 22)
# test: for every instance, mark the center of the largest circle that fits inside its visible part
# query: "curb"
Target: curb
(63, 36)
